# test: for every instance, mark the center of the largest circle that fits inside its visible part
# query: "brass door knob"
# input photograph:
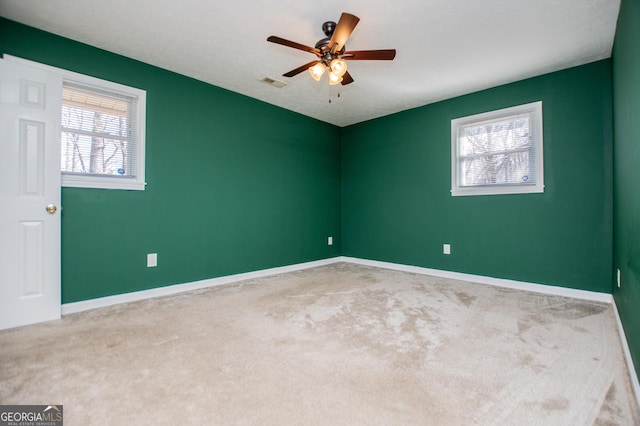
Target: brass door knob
(51, 209)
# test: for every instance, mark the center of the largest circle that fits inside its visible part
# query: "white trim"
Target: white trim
(69, 308)
(627, 355)
(479, 279)
(96, 181)
(497, 190)
(85, 305)
(535, 110)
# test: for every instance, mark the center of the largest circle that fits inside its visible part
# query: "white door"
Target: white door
(30, 110)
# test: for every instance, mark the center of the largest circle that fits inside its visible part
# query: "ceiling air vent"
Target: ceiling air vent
(273, 82)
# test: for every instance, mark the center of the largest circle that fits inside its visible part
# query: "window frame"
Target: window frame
(533, 108)
(88, 180)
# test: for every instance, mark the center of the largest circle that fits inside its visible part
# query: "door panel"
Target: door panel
(30, 109)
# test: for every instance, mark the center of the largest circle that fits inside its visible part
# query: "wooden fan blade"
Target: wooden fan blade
(343, 30)
(300, 69)
(346, 79)
(289, 43)
(365, 55)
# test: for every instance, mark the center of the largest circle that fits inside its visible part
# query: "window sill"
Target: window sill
(500, 190)
(102, 182)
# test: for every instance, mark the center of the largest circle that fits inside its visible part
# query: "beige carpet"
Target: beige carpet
(338, 344)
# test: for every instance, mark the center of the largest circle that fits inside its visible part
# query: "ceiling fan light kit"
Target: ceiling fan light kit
(331, 52)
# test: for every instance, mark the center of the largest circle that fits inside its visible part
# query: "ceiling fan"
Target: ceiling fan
(331, 51)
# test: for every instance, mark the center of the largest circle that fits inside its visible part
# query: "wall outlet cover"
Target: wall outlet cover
(152, 260)
(618, 278)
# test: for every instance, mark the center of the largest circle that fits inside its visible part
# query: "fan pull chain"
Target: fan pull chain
(330, 94)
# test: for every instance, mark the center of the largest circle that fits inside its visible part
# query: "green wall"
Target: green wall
(396, 186)
(234, 184)
(626, 108)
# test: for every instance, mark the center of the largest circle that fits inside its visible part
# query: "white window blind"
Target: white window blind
(498, 152)
(98, 132)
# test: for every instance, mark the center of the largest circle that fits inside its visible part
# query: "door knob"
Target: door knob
(51, 209)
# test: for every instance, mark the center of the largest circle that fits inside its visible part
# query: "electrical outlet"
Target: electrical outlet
(446, 249)
(618, 278)
(330, 241)
(152, 260)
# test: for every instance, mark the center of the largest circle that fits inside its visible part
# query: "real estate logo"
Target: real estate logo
(30, 415)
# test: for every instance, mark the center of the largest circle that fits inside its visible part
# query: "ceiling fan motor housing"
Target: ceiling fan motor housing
(323, 45)
(328, 28)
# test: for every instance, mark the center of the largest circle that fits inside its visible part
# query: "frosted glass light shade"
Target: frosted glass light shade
(339, 67)
(334, 79)
(317, 71)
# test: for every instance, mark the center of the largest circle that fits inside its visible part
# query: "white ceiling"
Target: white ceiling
(445, 48)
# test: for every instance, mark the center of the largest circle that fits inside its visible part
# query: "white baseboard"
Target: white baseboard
(479, 279)
(85, 305)
(627, 355)
(70, 308)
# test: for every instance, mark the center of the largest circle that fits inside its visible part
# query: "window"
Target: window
(102, 132)
(498, 152)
